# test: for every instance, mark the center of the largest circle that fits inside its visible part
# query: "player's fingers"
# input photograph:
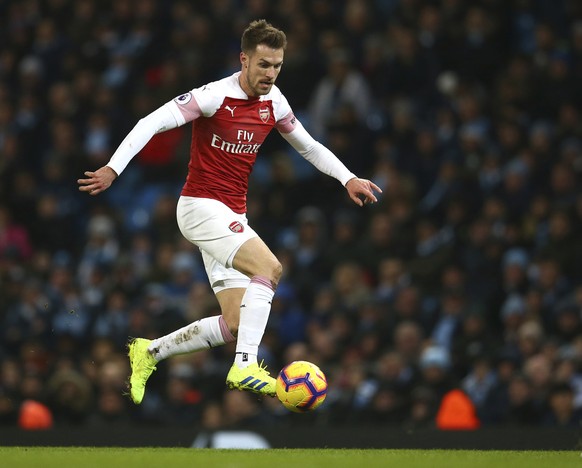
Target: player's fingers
(91, 189)
(89, 173)
(369, 195)
(375, 187)
(357, 200)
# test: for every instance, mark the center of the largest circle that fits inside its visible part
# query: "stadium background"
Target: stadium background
(467, 273)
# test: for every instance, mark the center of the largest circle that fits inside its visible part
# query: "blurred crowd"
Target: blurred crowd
(466, 275)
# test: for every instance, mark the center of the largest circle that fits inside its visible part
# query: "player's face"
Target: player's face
(260, 69)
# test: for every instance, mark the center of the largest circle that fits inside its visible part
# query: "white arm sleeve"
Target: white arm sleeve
(158, 121)
(317, 154)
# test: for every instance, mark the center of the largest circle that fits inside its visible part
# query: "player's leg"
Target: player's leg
(225, 239)
(230, 300)
(232, 253)
(195, 219)
(255, 260)
(205, 333)
(229, 286)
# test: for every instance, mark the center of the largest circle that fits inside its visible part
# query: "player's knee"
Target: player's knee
(271, 270)
(276, 272)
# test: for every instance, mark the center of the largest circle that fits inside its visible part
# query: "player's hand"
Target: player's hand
(361, 191)
(97, 181)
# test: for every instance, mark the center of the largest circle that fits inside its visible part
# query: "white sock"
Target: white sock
(254, 314)
(206, 333)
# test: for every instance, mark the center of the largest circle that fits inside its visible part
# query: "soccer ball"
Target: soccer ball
(301, 386)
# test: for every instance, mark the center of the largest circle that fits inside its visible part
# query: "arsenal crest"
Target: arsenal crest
(264, 114)
(236, 226)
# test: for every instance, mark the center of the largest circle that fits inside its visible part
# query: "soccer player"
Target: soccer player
(230, 120)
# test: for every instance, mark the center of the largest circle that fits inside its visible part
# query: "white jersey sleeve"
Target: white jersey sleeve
(281, 106)
(202, 101)
(321, 157)
(160, 120)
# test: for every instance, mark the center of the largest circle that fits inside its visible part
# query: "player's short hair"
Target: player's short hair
(262, 32)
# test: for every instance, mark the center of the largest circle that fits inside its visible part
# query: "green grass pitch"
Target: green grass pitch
(89, 457)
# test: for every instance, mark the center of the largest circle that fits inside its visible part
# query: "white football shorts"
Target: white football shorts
(218, 232)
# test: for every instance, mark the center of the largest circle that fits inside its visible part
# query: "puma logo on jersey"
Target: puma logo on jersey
(230, 109)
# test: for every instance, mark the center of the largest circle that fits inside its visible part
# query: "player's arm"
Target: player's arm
(167, 117)
(361, 191)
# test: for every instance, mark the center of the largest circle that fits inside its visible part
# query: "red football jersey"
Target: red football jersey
(227, 131)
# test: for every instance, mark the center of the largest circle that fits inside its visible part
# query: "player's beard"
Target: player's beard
(260, 89)
(257, 84)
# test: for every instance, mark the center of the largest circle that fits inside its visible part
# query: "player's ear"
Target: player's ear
(244, 60)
